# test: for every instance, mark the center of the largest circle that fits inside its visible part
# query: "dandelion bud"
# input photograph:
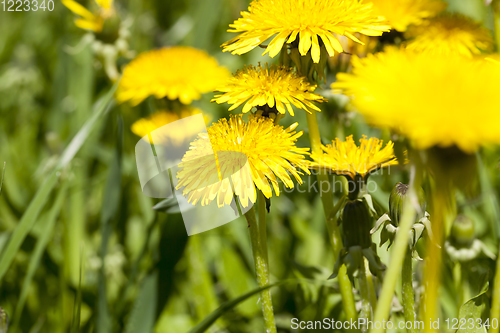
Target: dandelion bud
(462, 231)
(356, 224)
(389, 222)
(397, 199)
(463, 246)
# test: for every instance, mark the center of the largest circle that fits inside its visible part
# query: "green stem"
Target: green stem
(261, 269)
(371, 287)
(262, 222)
(496, 12)
(408, 295)
(495, 307)
(397, 257)
(366, 308)
(465, 286)
(331, 223)
(432, 273)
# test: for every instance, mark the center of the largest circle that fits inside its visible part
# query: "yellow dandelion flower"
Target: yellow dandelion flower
(91, 20)
(449, 34)
(175, 135)
(404, 13)
(494, 58)
(269, 148)
(347, 159)
(274, 86)
(307, 20)
(433, 100)
(179, 72)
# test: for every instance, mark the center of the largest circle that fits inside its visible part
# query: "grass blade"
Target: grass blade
(77, 308)
(142, 316)
(212, 318)
(110, 205)
(209, 320)
(36, 205)
(48, 227)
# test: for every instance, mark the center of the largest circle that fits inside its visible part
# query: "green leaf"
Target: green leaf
(42, 195)
(110, 204)
(473, 309)
(236, 279)
(142, 316)
(169, 206)
(48, 225)
(77, 308)
(212, 318)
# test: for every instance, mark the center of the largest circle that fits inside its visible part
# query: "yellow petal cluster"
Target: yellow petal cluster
(307, 21)
(88, 20)
(179, 72)
(274, 86)
(347, 159)
(434, 100)
(450, 34)
(175, 136)
(403, 13)
(269, 148)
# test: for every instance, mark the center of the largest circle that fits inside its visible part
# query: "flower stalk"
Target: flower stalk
(398, 254)
(259, 251)
(407, 293)
(331, 223)
(432, 272)
(495, 307)
(496, 13)
(366, 306)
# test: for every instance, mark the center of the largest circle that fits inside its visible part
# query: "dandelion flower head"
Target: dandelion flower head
(182, 73)
(89, 20)
(434, 100)
(347, 159)
(450, 34)
(175, 135)
(403, 13)
(269, 148)
(304, 21)
(273, 86)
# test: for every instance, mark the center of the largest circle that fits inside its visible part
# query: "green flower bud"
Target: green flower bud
(356, 224)
(389, 222)
(396, 201)
(462, 231)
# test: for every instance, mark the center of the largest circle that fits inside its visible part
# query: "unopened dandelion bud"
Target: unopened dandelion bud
(389, 222)
(462, 231)
(397, 198)
(356, 224)
(463, 246)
